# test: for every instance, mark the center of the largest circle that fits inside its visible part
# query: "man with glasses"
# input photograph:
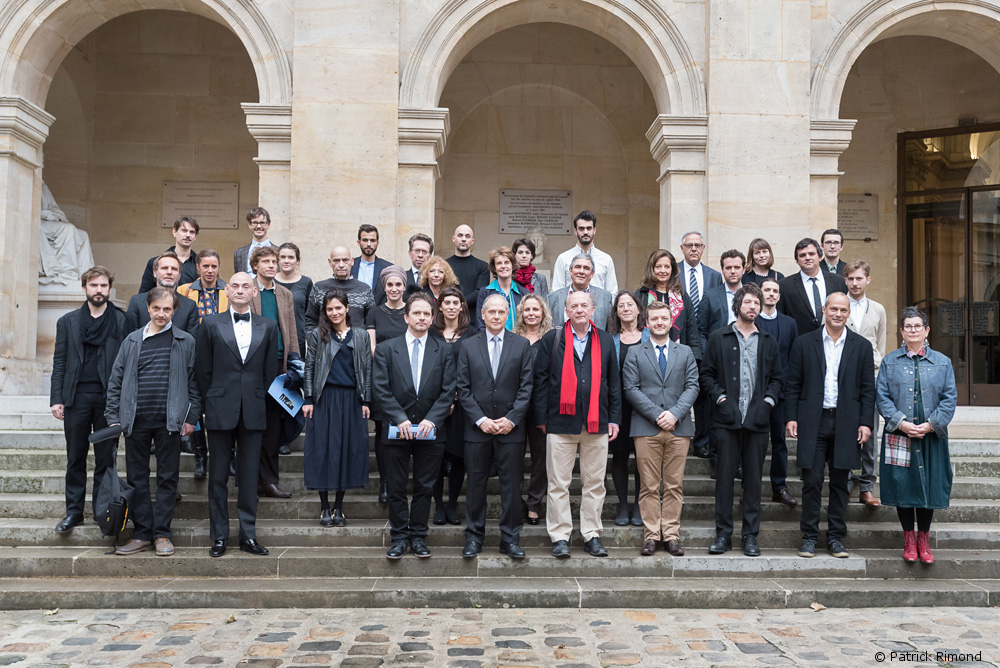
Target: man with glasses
(421, 247)
(833, 246)
(259, 222)
(359, 295)
(697, 279)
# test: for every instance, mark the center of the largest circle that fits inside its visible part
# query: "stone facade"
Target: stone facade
(663, 116)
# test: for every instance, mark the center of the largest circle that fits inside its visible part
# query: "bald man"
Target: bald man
(473, 274)
(359, 295)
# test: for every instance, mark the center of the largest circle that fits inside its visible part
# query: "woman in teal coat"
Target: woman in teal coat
(916, 394)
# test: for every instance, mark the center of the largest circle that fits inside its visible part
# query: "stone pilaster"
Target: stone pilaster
(678, 144)
(828, 139)
(422, 137)
(271, 126)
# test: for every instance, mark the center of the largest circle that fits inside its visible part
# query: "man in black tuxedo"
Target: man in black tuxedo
(368, 267)
(830, 407)
(167, 270)
(414, 378)
(236, 358)
(87, 342)
(804, 293)
(494, 386)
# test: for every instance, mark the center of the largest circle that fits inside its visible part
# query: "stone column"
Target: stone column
(23, 129)
(678, 144)
(827, 140)
(271, 126)
(422, 137)
(758, 125)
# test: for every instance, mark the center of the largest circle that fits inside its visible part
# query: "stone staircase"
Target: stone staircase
(312, 566)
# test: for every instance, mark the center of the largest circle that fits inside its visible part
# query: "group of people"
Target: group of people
(465, 364)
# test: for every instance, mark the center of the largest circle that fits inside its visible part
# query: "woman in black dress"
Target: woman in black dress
(451, 323)
(338, 389)
(387, 321)
(760, 259)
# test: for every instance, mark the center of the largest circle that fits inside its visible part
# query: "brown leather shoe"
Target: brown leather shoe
(164, 548)
(648, 548)
(674, 548)
(133, 546)
(782, 496)
(273, 491)
(869, 500)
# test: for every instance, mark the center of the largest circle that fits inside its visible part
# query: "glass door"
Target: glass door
(984, 316)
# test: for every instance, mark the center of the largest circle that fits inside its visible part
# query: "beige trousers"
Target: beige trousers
(561, 450)
(661, 458)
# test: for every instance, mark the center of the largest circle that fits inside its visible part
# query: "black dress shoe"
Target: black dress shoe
(512, 550)
(338, 518)
(273, 491)
(177, 497)
(232, 468)
(284, 450)
(199, 467)
(472, 549)
(218, 549)
(67, 523)
(397, 550)
(622, 519)
(782, 496)
(750, 546)
(452, 514)
(253, 547)
(325, 520)
(419, 548)
(721, 545)
(440, 517)
(594, 547)
(383, 492)
(560, 549)
(702, 452)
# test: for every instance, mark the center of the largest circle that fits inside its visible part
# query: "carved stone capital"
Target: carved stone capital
(423, 134)
(24, 127)
(827, 140)
(678, 143)
(271, 126)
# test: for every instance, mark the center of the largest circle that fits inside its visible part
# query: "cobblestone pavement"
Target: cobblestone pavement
(506, 638)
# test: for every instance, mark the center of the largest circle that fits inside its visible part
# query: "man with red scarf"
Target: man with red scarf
(578, 399)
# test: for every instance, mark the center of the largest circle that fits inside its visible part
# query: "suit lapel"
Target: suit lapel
(672, 352)
(430, 359)
(403, 363)
(649, 348)
(821, 352)
(256, 336)
(229, 335)
(484, 350)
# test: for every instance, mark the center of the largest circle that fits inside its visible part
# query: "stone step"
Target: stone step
(363, 506)
(493, 592)
(694, 534)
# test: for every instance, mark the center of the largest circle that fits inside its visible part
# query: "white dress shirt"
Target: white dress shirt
(833, 351)
(604, 269)
(820, 283)
(858, 310)
(243, 333)
(410, 339)
(699, 273)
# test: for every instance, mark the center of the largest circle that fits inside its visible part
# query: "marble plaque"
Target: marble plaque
(521, 210)
(213, 205)
(857, 216)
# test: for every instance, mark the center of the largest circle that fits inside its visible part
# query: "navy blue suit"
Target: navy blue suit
(702, 411)
(785, 331)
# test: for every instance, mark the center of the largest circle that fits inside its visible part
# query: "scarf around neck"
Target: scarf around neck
(523, 276)
(568, 384)
(93, 331)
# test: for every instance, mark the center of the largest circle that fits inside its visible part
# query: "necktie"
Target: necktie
(415, 364)
(817, 306)
(663, 361)
(495, 356)
(245, 317)
(693, 291)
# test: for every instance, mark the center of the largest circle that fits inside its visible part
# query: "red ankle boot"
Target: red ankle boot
(924, 547)
(909, 546)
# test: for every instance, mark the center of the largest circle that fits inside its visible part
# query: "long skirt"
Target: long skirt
(336, 452)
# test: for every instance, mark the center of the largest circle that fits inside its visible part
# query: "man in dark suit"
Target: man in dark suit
(804, 292)
(421, 247)
(185, 232)
(579, 404)
(414, 378)
(494, 386)
(696, 279)
(167, 269)
(259, 222)
(741, 372)
(833, 246)
(87, 342)
(830, 407)
(368, 267)
(236, 358)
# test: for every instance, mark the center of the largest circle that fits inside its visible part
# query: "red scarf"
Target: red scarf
(567, 387)
(523, 276)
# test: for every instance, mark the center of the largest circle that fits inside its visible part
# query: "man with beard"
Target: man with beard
(368, 267)
(87, 342)
(167, 270)
(473, 274)
(585, 229)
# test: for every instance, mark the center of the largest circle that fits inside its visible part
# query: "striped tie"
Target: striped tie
(693, 291)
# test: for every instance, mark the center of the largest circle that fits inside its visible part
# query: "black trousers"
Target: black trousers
(479, 460)
(746, 447)
(702, 421)
(270, 443)
(409, 520)
(220, 444)
(538, 481)
(153, 521)
(779, 449)
(80, 420)
(812, 487)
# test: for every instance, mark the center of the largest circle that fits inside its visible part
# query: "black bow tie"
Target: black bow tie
(241, 316)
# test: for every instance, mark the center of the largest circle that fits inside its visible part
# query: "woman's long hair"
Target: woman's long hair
(649, 278)
(325, 326)
(545, 325)
(615, 323)
(463, 314)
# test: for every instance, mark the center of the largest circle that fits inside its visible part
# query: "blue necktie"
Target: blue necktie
(415, 364)
(663, 361)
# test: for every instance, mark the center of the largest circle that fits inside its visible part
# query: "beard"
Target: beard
(165, 284)
(97, 300)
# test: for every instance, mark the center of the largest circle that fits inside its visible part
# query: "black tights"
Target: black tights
(619, 473)
(453, 468)
(324, 500)
(924, 516)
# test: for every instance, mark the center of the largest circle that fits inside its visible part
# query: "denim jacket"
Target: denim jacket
(894, 389)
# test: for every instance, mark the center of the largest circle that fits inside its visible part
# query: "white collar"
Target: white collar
(489, 337)
(145, 330)
(838, 342)
(410, 338)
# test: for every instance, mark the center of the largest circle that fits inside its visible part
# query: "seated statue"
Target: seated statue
(64, 252)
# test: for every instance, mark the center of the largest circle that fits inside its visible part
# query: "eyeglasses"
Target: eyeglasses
(692, 246)
(914, 328)
(263, 224)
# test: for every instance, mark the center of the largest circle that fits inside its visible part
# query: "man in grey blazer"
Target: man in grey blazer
(661, 383)
(581, 272)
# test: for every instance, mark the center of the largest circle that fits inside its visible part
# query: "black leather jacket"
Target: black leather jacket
(319, 359)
